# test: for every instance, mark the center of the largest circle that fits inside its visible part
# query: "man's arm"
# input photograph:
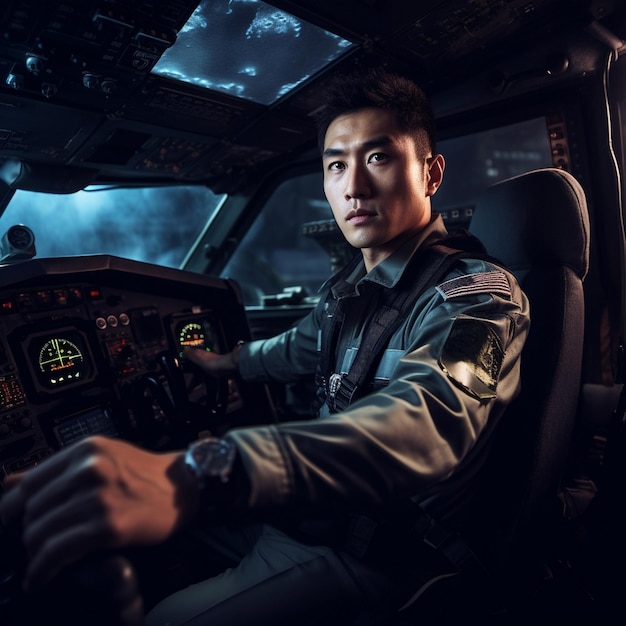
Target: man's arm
(410, 435)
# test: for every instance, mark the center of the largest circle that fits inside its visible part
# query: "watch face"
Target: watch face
(211, 458)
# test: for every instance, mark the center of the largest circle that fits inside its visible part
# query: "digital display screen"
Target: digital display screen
(60, 359)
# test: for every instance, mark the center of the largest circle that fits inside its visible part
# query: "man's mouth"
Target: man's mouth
(358, 216)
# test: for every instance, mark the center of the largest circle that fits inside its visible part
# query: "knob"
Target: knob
(91, 81)
(34, 65)
(108, 86)
(49, 90)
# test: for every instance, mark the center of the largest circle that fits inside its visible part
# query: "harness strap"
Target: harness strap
(426, 268)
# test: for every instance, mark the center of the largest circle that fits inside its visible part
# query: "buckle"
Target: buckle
(334, 383)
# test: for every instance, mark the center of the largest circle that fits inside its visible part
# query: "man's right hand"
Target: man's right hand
(97, 494)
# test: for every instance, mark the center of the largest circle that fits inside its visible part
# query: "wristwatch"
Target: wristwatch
(210, 461)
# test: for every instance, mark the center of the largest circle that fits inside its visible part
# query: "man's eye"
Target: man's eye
(377, 156)
(335, 165)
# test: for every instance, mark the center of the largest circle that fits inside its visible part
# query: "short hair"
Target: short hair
(381, 89)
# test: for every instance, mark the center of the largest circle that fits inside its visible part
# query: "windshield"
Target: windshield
(155, 225)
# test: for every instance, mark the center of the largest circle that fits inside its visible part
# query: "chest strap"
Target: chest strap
(426, 269)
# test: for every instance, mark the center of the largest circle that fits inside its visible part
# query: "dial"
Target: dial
(60, 361)
(20, 237)
(198, 332)
(191, 334)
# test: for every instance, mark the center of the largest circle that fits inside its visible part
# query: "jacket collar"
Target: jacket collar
(389, 271)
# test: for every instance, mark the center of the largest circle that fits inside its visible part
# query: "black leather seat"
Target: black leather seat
(538, 225)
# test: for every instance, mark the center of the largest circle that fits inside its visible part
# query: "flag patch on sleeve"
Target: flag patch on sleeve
(471, 284)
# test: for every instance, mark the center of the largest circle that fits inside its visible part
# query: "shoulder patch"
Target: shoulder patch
(472, 357)
(472, 284)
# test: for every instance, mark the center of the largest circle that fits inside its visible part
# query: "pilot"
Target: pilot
(415, 348)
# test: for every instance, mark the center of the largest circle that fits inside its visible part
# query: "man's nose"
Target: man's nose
(358, 184)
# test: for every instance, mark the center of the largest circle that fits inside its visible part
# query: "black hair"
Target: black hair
(381, 89)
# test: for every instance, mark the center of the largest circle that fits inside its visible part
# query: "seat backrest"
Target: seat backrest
(538, 225)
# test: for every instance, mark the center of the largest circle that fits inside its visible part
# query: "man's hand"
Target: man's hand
(97, 494)
(216, 365)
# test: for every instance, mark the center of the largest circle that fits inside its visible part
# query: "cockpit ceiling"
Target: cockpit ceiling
(96, 92)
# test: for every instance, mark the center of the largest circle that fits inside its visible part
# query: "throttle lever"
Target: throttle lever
(174, 375)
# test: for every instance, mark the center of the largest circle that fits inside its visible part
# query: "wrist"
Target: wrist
(218, 475)
(210, 461)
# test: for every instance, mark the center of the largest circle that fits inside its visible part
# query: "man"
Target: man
(334, 497)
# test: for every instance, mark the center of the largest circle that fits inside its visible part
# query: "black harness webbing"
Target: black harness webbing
(426, 268)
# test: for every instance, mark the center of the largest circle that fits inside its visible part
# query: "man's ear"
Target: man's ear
(436, 166)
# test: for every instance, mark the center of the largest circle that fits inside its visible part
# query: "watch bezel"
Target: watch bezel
(211, 460)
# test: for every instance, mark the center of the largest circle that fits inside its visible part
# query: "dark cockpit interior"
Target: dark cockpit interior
(221, 95)
(95, 346)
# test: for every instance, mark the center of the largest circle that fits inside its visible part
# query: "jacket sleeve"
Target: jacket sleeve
(459, 369)
(287, 357)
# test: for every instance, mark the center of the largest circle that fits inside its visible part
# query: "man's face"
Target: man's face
(378, 187)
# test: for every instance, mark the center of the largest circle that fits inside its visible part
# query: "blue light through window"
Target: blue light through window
(239, 47)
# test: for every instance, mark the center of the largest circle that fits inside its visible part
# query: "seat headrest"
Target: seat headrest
(539, 217)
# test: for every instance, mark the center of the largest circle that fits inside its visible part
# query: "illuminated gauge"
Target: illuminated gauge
(192, 334)
(60, 361)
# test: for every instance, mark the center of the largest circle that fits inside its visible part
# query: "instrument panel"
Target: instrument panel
(95, 345)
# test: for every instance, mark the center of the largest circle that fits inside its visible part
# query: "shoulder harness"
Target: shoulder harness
(427, 267)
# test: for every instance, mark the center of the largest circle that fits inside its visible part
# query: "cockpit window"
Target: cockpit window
(286, 248)
(238, 47)
(478, 160)
(153, 224)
